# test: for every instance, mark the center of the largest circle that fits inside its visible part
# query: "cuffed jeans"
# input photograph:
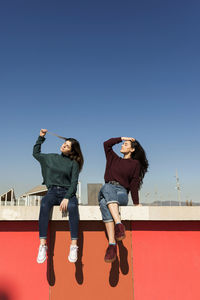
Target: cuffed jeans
(53, 197)
(111, 193)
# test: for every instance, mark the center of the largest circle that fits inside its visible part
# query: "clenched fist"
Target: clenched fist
(43, 132)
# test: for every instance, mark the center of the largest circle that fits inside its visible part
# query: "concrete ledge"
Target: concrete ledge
(92, 213)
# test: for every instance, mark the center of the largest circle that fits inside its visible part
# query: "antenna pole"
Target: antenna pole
(178, 188)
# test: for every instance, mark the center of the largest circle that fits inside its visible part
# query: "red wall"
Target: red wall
(156, 261)
(166, 260)
(21, 278)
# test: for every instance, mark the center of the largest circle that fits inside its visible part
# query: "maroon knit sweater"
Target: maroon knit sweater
(124, 171)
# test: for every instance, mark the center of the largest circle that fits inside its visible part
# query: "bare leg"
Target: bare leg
(73, 242)
(110, 232)
(43, 242)
(119, 230)
(114, 210)
(110, 226)
(111, 252)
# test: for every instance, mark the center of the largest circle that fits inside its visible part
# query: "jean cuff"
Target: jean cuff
(106, 221)
(112, 201)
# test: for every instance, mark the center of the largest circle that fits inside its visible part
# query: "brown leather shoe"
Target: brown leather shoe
(111, 253)
(119, 232)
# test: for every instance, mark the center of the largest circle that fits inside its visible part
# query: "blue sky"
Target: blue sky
(99, 69)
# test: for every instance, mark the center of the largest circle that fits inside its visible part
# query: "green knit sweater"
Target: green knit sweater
(57, 169)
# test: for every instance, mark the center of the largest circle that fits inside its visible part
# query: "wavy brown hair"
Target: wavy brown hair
(76, 153)
(140, 155)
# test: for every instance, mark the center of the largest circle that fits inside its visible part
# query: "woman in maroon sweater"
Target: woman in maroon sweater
(121, 176)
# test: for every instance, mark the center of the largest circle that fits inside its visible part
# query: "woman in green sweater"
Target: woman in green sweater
(60, 174)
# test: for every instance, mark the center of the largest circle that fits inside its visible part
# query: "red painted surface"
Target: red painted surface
(166, 260)
(157, 261)
(21, 278)
(90, 278)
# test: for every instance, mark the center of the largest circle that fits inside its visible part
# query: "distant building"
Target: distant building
(33, 197)
(8, 198)
(171, 203)
(93, 191)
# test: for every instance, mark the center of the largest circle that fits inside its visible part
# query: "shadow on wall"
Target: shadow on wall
(79, 264)
(4, 295)
(8, 290)
(120, 264)
(50, 264)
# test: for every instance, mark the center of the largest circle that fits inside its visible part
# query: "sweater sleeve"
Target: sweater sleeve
(134, 185)
(37, 149)
(109, 144)
(74, 181)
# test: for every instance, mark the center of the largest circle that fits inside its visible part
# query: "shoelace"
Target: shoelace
(74, 248)
(42, 247)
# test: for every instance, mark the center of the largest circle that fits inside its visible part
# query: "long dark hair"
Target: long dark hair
(76, 152)
(140, 155)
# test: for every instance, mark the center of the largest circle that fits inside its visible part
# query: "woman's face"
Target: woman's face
(66, 148)
(127, 148)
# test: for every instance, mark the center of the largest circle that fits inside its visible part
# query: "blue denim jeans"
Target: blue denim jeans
(111, 193)
(53, 197)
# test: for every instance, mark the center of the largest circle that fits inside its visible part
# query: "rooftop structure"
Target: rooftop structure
(8, 198)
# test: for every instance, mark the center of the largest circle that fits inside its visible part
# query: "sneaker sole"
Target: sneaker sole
(120, 238)
(72, 260)
(110, 260)
(41, 261)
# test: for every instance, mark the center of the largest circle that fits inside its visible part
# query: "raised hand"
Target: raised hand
(128, 139)
(43, 132)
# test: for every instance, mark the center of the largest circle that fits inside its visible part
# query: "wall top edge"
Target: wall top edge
(92, 213)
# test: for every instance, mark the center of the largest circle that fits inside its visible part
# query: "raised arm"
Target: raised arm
(109, 144)
(37, 147)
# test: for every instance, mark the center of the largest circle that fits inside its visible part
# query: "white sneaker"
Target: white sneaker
(42, 254)
(73, 254)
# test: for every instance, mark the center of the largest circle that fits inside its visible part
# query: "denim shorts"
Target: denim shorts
(111, 193)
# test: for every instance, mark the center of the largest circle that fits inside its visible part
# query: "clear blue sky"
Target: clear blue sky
(99, 69)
